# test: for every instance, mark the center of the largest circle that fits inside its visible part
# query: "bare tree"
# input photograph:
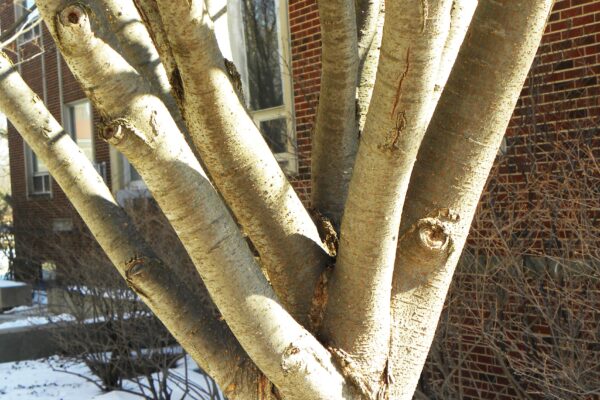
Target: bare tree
(290, 325)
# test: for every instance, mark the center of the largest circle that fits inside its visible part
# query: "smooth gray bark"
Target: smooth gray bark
(367, 19)
(453, 164)
(357, 318)
(368, 348)
(335, 140)
(369, 60)
(207, 340)
(148, 11)
(241, 163)
(140, 126)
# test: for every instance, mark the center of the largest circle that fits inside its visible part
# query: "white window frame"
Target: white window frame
(288, 159)
(31, 33)
(31, 174)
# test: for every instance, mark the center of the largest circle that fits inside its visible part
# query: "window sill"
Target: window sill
(36, 196)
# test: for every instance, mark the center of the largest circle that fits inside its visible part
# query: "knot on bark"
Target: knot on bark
(433, 234)
(115, 130)
(74, 14)
(425, 246)
(112, 133)
(291, 359)
(138, 270)
(74, 30)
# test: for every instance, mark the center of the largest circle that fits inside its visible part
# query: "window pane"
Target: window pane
(81, 125)
(38, 165)
(46, 180)
(275, 133)
(262, 53)
(41, 184)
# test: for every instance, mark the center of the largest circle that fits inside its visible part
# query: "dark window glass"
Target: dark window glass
(262, 53)
(275, 133)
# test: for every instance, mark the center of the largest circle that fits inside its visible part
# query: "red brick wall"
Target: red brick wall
(306, 73)
(33, 214)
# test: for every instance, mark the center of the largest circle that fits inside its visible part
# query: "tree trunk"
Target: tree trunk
(402, 222)
(453, 164)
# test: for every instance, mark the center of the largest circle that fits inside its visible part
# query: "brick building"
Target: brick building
(555, 122)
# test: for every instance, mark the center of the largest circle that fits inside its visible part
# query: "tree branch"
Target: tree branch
(335, 140)
(453, 163)
(209, 341)
(367, 20)
(357, 319)
(148, 11)
(143, 131)
(240, 162)
(461, 15)
(370, 59)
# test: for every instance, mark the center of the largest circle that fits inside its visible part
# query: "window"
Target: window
(40, 177)
(261, 54)
(31, 29)
(78, 122)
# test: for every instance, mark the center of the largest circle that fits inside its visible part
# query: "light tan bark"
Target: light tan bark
(240, 162)
(335, 140)
(367, 19)
(453, 164)
(137, 47)
(369, 60)
(141, 128)
(183, 312)
(460, 19)
(357, 319)
(148, 11)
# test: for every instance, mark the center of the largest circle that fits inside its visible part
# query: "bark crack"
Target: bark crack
(401, 81)
(326, 230)
(319, 301)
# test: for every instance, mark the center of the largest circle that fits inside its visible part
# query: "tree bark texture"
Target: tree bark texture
(369, 61)
(415, 97)
(241, 163)
(453, 164)
(357, 318)
(208, 341)
(335, 140)
(139, 126)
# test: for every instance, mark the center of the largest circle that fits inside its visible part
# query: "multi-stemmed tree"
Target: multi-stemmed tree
(413, 106)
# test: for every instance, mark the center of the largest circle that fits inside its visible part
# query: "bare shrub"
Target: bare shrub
(521, 320)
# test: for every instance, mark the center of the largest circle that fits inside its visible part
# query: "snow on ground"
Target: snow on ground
(42, 380)
(7, 284)
(32, 320)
